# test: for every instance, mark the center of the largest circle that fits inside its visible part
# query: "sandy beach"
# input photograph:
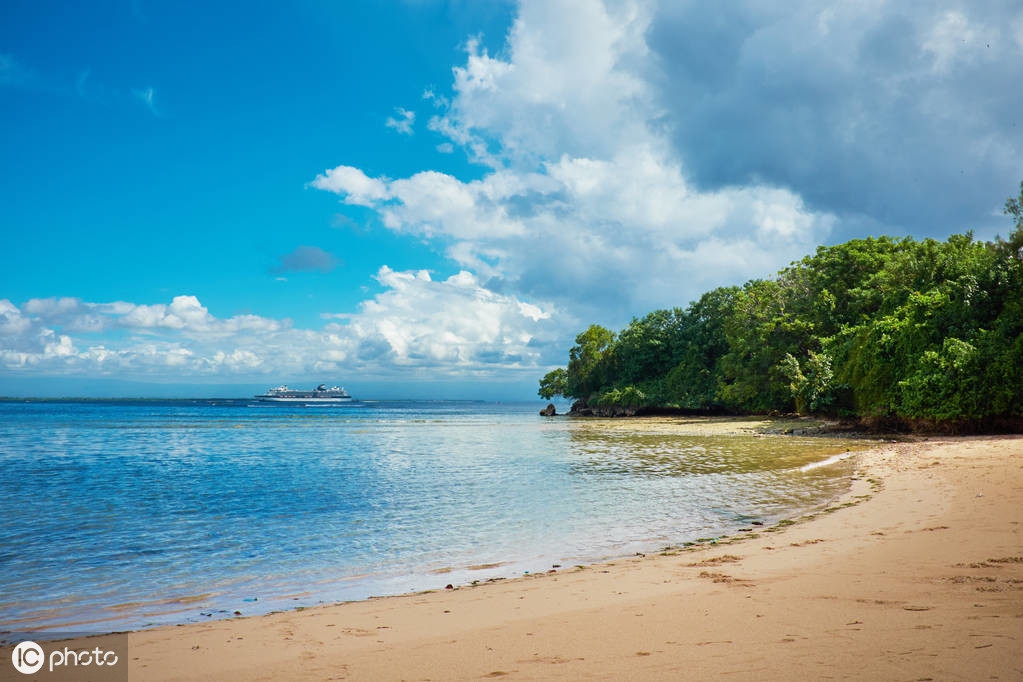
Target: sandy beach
(917, 574)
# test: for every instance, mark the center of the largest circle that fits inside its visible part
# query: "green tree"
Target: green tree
(810, 384)
(647, 345)
(589, 363)
(694, 380)
(630, 396)
(942, 384)
(837, 289)
(885, 327)
(554, 384)
(760, 332)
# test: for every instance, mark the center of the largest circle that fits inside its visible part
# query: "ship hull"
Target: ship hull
(296, 399)
(322, 395)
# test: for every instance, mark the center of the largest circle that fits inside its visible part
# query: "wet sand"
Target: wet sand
(917, 574)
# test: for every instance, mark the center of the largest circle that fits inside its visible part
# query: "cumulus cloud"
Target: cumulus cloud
(455, 323)
(358, 188)
(452, 326)
(572, 84)
(587, 202)
(306, 259)
(641, 152)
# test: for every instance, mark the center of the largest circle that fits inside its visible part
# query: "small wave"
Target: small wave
(834, 459)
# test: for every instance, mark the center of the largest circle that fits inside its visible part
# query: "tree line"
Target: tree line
(878, 329)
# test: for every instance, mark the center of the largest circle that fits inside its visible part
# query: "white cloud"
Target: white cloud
(572, 84)
(438, 101)
(12, 322)
(358, 189)
(237, 360)
(451, 327)
(586, 203)
(455, 323)
(404, 121)
(187, 315)
(638, 188)
(52, 307)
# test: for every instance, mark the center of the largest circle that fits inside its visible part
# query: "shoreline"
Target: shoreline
(916, 572)
(850, 427)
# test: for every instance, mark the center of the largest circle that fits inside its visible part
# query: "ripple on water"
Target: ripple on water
(126, 515)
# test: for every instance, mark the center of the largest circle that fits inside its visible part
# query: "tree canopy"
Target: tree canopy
(879, 328)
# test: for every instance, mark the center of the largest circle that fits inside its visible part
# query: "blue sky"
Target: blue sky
(432, 198)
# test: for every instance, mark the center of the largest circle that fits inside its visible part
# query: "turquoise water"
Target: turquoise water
(117, 515)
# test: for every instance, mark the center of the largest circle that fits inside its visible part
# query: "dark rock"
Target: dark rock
(548, 411)
(580, 409)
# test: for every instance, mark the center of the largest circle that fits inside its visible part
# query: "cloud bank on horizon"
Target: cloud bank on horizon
(629, 156)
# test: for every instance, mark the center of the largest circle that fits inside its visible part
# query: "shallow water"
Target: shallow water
(118, 515)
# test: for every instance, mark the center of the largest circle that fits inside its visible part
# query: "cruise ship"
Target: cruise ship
(321, 394)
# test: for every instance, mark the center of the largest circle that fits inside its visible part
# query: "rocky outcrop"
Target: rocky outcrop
(581, 409)
(548, 411)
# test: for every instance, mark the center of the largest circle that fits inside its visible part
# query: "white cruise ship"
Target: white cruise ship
(321, 394)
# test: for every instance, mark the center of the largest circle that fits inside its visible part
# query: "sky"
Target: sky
(430, 198)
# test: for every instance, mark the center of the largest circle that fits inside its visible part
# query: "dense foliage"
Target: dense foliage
(875, 328)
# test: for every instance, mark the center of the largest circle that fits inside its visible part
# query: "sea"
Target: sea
(128, 514)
